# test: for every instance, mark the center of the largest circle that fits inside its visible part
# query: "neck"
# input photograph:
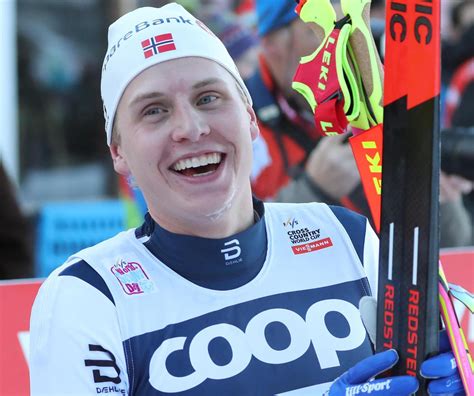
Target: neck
(230, 219)
(221, 263)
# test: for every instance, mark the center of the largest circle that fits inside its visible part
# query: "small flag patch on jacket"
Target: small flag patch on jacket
(157, 44)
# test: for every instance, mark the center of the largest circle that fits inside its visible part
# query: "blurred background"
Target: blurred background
(59, 190)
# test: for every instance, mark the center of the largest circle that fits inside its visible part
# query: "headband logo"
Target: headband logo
(158, 44)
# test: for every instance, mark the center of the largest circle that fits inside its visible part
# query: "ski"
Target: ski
(407, 313)
(405, 210)
(447, 294)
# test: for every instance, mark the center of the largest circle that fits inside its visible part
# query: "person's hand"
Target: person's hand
(452, 187)
(443, 372)
(331, 166)
(358, 379)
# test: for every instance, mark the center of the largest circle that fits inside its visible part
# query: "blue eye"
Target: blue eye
(153, 111)
(207, 99)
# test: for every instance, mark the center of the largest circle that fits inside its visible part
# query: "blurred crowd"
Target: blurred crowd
(61, 121)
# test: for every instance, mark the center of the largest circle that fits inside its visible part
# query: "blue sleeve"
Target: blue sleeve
(85, 272)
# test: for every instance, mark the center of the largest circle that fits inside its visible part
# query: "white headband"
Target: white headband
(147, 36)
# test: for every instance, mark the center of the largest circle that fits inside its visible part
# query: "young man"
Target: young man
(216, 294)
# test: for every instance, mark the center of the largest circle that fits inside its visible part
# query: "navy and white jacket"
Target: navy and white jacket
(271, 310)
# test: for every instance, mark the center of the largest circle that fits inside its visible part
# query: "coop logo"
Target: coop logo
(251, 341)
(132, 277)
(291, 222)
(232, 252)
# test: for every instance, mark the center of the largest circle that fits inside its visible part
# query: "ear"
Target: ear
(254, 129)
(120, 163)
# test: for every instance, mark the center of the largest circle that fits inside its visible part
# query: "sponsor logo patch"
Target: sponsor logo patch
(132, 277)
(254, 351)
(304, 239)
(369, 387)
(312, 246)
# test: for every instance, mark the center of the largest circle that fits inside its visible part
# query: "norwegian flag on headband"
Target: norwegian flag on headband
(157, 44)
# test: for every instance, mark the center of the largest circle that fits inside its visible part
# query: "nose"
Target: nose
(188, 123)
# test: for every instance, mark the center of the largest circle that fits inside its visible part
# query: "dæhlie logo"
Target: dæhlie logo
(232, 252)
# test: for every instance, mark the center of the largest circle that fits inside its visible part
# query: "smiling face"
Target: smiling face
(186, 138)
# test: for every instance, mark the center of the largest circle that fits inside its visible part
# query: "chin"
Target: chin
(215, 206)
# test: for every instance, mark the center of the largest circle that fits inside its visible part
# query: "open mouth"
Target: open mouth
(198, 166)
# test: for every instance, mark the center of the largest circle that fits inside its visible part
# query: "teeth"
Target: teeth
(195, 162)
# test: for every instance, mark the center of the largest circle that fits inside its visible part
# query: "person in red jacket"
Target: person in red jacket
(291, 162)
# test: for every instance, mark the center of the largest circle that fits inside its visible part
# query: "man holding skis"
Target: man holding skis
(216, 293)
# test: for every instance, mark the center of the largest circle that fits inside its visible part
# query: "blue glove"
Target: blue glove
(443, 371)
(357, 380)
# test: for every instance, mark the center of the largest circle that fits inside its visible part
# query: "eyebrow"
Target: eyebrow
(206, 82)
(145, 96)
(158, 94)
